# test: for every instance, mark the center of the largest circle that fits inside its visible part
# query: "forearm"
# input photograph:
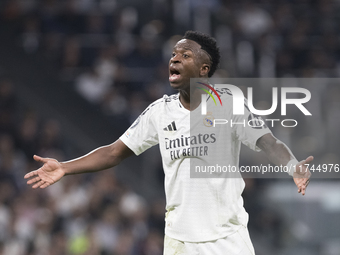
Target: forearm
(98, 159)
(277, 152)
(280, 154)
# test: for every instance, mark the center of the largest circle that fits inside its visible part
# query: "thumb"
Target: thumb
(40, 159)
(308, 160)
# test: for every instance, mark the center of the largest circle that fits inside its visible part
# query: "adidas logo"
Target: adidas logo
(171, 127)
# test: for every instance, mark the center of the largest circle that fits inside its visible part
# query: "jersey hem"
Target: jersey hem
(203, 240)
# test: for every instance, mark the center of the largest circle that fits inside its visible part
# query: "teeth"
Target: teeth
(173, 77)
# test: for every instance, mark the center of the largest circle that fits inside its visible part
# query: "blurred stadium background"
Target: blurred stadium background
(74, 74)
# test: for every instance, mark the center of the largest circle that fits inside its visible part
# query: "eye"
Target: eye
(173, 54)
(185, 56)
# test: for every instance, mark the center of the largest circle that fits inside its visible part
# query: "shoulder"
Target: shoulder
(225, 92)
(161, 103)
(225, 95)
(233, 98)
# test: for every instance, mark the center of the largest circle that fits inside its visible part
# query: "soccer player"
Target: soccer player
(204, 215)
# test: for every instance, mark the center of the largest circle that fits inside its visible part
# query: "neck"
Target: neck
(190, 102)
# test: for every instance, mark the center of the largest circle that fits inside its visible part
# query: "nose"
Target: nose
(175, 59)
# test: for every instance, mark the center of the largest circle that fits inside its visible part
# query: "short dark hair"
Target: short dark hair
(209, 45)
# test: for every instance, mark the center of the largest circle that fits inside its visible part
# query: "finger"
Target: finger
(300, 189)
(36, 179)
(39, 159)
(304, 187)
(30, 174)
(302, 163)
(37, 185)
(308, 160)
(299, 184)
(45, 185)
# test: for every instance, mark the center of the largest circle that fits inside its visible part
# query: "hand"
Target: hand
(49, 173)
(302, 174)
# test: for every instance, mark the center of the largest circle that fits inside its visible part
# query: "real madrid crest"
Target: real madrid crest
(208, 120)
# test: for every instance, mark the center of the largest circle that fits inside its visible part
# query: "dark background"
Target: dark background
(75, 74)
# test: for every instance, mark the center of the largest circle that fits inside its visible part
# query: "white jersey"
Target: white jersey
(198, 209)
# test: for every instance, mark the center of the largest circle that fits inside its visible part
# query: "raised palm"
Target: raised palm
(49, 173)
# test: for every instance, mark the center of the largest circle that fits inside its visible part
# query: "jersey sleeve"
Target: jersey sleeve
(142, 134)
(249, 128)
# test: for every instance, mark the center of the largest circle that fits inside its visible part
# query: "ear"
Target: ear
(205, 68)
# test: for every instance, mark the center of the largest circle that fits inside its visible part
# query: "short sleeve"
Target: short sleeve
(142, 134)
(249, 128)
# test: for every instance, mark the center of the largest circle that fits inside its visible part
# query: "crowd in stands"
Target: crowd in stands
(79, 215)
(115, 54)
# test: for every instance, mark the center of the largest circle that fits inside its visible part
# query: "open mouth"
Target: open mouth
(174, 74)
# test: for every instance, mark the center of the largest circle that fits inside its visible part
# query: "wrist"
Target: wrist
(64, 168)
(291, 165)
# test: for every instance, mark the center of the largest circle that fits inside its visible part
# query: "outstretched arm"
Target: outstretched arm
(279, 154)
(97, 160)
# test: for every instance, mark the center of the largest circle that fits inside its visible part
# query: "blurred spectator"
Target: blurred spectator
(107, 229)
(31, 35)
(114, 103)
(92, 86)
(27, 137)
(106, 63)
(7, 105)
(12, 161)
(254, 21)
(127, 47)
(50, 142)
(70, 58)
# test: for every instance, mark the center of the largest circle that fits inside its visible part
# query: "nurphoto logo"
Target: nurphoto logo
(239, 103)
